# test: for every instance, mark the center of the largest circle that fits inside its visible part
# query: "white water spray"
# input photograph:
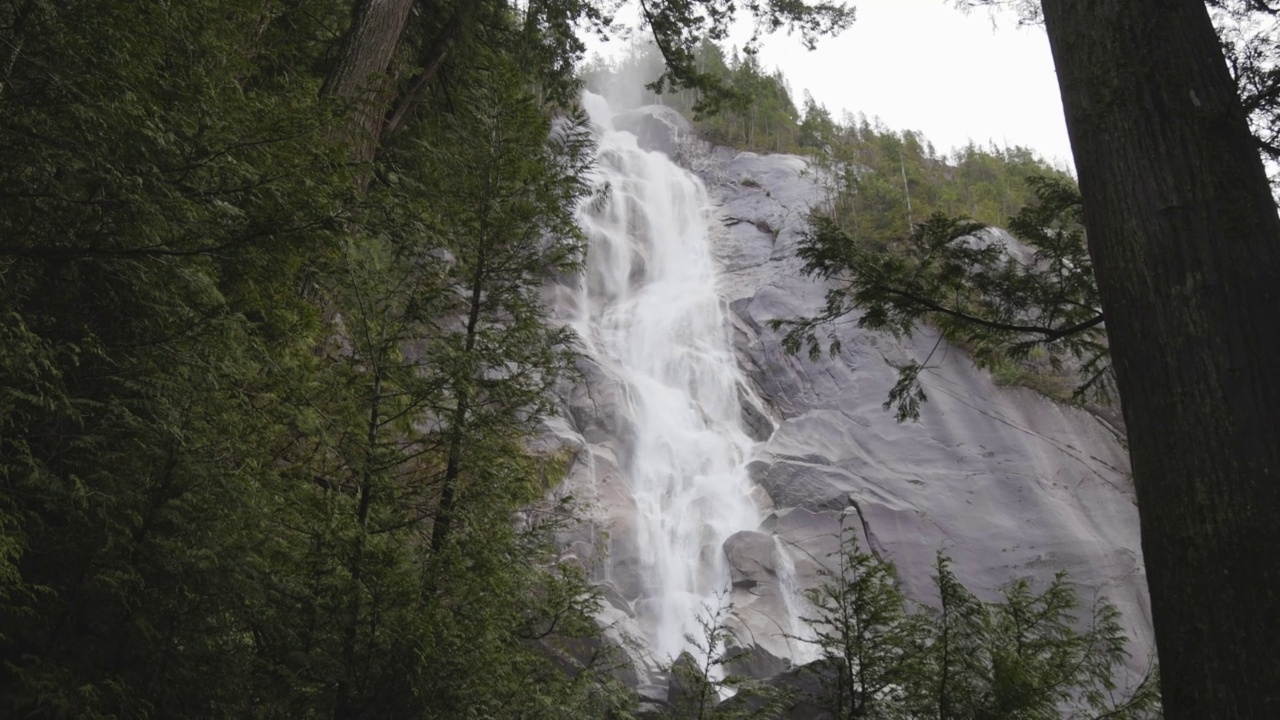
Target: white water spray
(649, 311)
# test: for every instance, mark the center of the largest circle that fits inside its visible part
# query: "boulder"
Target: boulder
(595, 402)
(687, 690)
(751, 559)
(657, 128)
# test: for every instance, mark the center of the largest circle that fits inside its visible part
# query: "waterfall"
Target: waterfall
(648, 310)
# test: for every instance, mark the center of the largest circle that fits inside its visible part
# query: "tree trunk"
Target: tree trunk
(360, 76)
(453, 468)
(344, 707)
(1186, 246)
(398, 117)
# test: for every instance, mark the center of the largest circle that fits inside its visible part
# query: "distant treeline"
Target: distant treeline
(889, 190)
(883, 180)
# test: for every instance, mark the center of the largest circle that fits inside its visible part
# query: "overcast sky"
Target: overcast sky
(923, 65)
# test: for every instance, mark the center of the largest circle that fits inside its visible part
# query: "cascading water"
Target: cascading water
(649, 311)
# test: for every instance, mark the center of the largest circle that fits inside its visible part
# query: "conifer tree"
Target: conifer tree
(953, 666)
(161, 176)
(700, 681)
(867, 639)
(984, 293)
(1027, 656)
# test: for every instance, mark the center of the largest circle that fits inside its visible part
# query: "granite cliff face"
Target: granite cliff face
(1008, 483)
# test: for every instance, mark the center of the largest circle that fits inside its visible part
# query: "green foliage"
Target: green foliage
(682, 30)
(880, 180)
(865, 635)
(754, 112)
(1028, 314)
(263, 415)
(1025, 656)
(953, 666)
(699, 682)
(154, 183)
(238, 377)
(883, 181)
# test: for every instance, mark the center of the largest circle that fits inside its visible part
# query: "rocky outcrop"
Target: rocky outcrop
(1006, 482)
(657, 128)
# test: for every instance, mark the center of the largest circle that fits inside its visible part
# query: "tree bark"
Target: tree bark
(360, 75)
(398, 116)
(453, 467)
(1185, 242)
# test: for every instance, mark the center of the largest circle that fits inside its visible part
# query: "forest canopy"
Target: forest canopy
(271, 345)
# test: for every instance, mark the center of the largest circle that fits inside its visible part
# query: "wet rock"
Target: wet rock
(1005, 481)
(687, 690)
(751, 660)
(751, 559)
(656, 128)
(596, 402)
(653, 701)
(814, 486)
(758, 425)
(807, 688)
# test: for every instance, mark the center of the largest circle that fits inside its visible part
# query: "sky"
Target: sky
(924, 65)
